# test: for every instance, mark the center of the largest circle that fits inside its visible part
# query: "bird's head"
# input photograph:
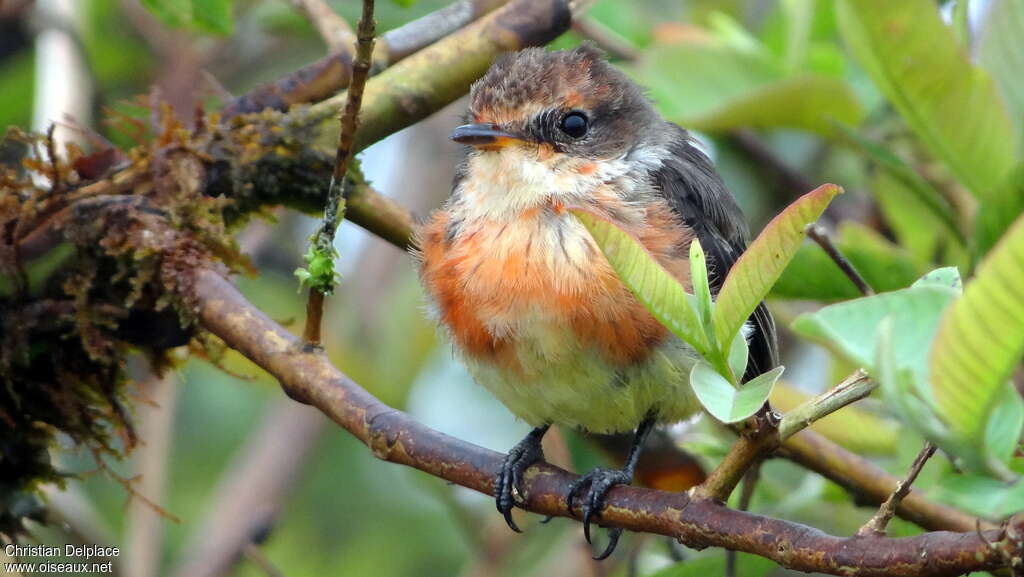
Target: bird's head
(570, 103)
(553, 124)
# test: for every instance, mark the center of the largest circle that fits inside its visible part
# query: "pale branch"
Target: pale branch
(853, 388)
(416, 35)
(606, 38)
(396, 437)
(332, 73)
(334, 209)
(817, 233)
(332, 28)
(876, 525)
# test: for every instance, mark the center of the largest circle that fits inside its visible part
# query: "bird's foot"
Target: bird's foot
(599, 482)
(508, 485)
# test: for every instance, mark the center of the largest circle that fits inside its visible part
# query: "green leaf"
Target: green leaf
(1000, 52)
(849, 328)
(173, 13)
(952, 106)
(701, 288)
(723, 400)
(913, 183)
(979, 495)
(948, 277)
(210, 16)
(650, 283)
(762, 263)
(712, 87)
(996, 214)
(981, 339)
(804, 102)
(906, 393)
(738, 353)
(1002, 435)
(714, 564)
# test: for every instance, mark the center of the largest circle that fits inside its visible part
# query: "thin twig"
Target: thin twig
(334, 210)
(606, 38)
(818, 234)
(876, 525)
(332, 28)
(758, 441)
(255, 554)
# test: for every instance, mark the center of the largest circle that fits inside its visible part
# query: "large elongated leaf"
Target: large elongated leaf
(952, 106)
(850, 328)
(996, 214)
(914, 184)
(1001, 54)
(652, 285)
(981, 339)
(713, 87)
(805, 102)
(763, 262)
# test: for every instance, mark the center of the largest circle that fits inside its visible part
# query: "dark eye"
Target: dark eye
(575, 124)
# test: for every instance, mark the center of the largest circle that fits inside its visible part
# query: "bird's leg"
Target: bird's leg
(601, 480)
(509, 483)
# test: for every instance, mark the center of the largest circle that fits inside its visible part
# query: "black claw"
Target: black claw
(510, 478)
(508, 519)
(599, 481)
(613, 539)
(587, 511)
(547, 519)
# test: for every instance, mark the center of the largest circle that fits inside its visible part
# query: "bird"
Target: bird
(530, 304)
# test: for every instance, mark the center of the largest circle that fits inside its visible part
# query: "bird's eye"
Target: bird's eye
(575, 124)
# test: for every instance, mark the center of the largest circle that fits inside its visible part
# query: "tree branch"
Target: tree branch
(394, 436)
(332, 73)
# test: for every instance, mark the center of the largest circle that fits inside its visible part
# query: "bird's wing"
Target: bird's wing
(694, 190)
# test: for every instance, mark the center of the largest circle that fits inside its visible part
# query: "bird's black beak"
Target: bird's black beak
(484, 135)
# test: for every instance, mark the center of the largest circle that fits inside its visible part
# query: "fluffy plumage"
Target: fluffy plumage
(528, 300)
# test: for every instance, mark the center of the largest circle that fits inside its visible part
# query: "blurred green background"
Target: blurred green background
(785, 95)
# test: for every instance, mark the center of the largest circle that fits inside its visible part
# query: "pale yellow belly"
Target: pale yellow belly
(564, 383)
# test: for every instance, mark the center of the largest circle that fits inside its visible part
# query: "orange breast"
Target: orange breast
(489, 282)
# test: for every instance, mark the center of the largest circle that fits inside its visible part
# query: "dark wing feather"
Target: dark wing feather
(696, 192)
